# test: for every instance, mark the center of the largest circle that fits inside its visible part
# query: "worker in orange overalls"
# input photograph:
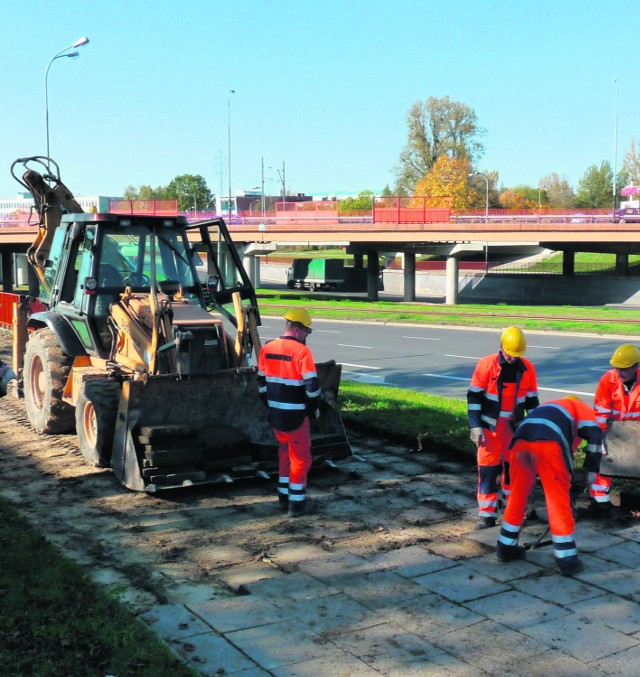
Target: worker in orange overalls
(617, 399)
(543, 446)
(289, 386)
(503, 388)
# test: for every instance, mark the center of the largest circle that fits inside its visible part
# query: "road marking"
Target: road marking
(348, 345)
(326, 331)
(463, 357)
(422, 338)
(533, 345)
(358, 366)
(567, 392)
(452, 378)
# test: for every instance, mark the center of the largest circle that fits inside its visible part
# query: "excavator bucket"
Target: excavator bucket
(206, 429)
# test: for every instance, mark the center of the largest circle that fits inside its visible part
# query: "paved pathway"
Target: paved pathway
(442, 608)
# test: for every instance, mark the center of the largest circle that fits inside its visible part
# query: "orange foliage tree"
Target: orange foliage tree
(447, 185)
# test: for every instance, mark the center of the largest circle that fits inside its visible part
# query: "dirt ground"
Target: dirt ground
(154, 548)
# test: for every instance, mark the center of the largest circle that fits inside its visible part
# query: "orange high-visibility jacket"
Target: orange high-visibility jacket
(484, 397)
(613, 403)
(288, 382)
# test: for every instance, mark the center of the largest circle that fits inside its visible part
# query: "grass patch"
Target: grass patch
(433, 423)
(55, 621)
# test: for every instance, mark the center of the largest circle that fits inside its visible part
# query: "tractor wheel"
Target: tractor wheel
(96, 411)
(46, 369)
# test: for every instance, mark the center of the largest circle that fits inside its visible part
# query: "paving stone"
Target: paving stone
(590, 539)
(411, 561)
(378, 590)
(615, 612)
(237, 613)
(583, 638)
(334, 564)
(631, 533)
(386, 646)
(442, 665)
(280, 644)
(173, 621)
(502, 571)
(431, 615)
(490, 646)
(236, 577)
(556, 588)
(626, 553)
(624, 663)
(551, 663)
(294, 553)
(297, 587)
(624, 582)
(211, 654)
(339, 664)
(461, 583)
(516, 609)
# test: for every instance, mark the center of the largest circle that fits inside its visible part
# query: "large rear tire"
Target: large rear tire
(46, 370)
(96, 411)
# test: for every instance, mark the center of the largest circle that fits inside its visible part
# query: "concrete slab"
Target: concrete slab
(461, 584)
(626, 553)
(557, 589)
(236, 577)
(442, 665)
(585, 639)
(551, 663)
(624, 663)
(617, 613)
(334, 564)
(281, 644)
(297, 587)
(211, 654)
(237, 613)
(173, 621)
(340, 664)
(502, 571)
(490, 647)
(516, 609)
(412, 561)
(590, 539)
(379, 590)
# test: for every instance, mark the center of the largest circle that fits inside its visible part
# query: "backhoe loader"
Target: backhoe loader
(154, 368)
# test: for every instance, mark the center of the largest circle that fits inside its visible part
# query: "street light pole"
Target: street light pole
(262, 203)
(486, 206)
(62, 53)
(615, 149)
(231, 91)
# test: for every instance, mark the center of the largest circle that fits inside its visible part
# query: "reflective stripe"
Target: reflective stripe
(284, 381)
(490, 421)
(286, 406)
(309, 375)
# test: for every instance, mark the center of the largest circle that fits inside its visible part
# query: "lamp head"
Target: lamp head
(80, 41)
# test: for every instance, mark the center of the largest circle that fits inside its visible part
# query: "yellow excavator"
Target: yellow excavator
(153, 366)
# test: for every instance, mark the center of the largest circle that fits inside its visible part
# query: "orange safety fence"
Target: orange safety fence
(7, 300)
(144, 207)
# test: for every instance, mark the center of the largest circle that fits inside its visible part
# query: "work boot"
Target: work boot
(299, 508)
(596, 510)
(283, 502)
(507, 553)
(569, 565)
(487, 522)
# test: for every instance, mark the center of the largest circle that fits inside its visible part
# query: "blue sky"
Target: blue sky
(323, 86)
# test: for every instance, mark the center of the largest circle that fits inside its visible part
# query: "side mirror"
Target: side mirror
(213, 283)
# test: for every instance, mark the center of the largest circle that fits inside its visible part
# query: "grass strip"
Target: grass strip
(55, 621)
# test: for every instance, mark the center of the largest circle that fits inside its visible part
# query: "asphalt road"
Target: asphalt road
(440, 361)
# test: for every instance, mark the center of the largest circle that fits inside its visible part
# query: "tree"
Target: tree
(631, 165)
(595, 188)
(149, 193)
(436, 127)
(130, 193)
(447, 185)
(559, 193)
(362, 203)
(191, 191)
(520, 197)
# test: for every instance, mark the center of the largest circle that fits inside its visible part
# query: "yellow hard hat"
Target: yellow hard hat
(300, 315)
(513, 341)
(625, 356)
(575, 398)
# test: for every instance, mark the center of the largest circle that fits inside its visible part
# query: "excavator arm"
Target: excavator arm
(52, 199)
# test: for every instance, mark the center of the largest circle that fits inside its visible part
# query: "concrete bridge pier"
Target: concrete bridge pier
(373, 275)
(7, 271)
(622, 264)
(451, 280)
(409, 276)
(568, 262)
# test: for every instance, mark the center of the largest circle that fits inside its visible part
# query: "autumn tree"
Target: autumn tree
(436, 127)
(191, 191)
(362, 203)
(558, 192)
(520, 197)
(145, 193)
(447, 184)
(631, 165)
(595, 188)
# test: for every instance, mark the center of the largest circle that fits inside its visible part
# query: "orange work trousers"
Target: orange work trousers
(542, 458)
(294, 452)
(493, 462)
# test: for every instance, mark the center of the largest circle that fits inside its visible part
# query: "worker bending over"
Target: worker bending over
(617, 399)
(503, 387)
(543, 446)
(289, 386)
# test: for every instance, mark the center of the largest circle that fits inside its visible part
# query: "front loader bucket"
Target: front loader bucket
(622, 443)
(205, 429)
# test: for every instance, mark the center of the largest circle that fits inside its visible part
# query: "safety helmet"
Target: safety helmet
(300, 315)
(575, 398)
(513, 341)
(625, 356)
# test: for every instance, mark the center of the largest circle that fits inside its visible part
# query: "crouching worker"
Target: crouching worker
(543, 446)
(6, 374)
(289, 386)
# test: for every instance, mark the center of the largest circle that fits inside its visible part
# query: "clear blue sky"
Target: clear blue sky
(324, 86)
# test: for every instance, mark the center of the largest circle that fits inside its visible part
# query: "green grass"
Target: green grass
(54, 621)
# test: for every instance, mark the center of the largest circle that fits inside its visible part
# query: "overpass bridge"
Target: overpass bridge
(364, 236)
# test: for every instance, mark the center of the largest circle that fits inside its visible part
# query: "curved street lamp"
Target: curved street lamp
(62, 53)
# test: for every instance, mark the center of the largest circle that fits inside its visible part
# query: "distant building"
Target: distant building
(21, 205)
